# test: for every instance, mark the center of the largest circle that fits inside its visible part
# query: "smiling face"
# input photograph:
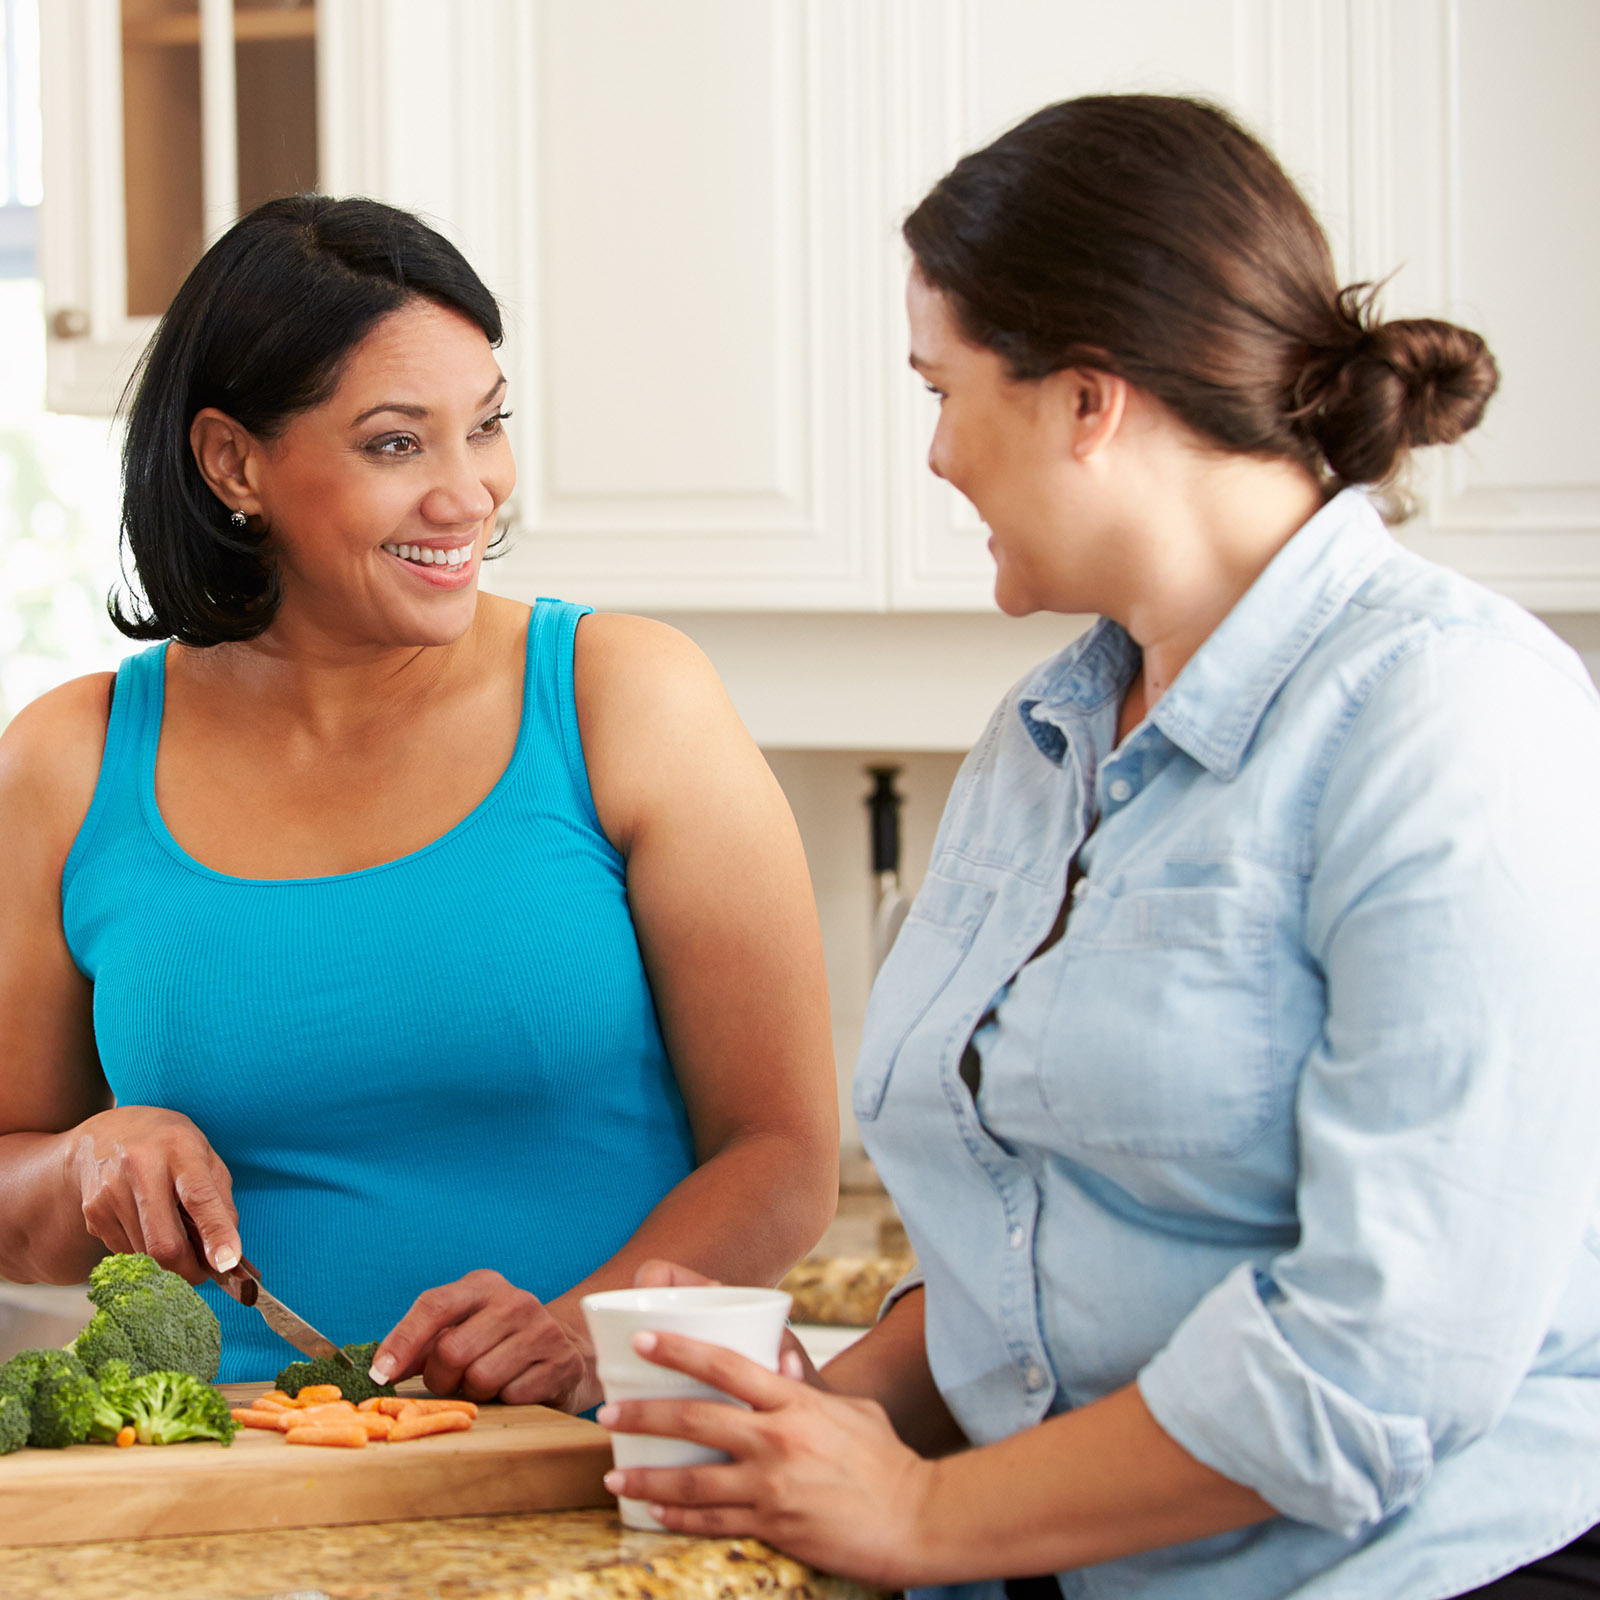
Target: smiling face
(1014, 450)
(379, 502)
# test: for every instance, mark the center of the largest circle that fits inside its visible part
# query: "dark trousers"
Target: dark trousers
(1566, 1574)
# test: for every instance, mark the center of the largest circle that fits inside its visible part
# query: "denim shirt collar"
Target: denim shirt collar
(1213, 709)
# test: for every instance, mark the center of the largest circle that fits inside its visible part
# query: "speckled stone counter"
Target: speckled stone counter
(844, 1291)
(561, 1555)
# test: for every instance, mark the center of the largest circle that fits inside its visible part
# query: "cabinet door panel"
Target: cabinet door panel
(1473, 123)
(974, 67)
(693, 372)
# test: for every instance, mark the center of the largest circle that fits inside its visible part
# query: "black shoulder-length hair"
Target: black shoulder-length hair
(261, 330)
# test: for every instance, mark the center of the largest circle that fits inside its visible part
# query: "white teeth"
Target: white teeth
(427, 556)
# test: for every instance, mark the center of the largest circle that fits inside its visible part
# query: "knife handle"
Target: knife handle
(243, 1282)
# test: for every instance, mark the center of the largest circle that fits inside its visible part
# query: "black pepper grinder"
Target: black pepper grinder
(890, 907)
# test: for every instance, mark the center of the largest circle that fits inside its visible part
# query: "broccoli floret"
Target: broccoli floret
(112, 1407)
(13, 1424)
(119, 1275)
(169, 1407)
(19, 1377)
(64, 1401)
(151, 1319)
(103, 1341)
(354, 1385)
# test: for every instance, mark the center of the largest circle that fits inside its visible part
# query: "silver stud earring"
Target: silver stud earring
(237, 519)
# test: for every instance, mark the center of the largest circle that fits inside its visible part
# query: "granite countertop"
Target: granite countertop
(860, 1258)
(555, 1555)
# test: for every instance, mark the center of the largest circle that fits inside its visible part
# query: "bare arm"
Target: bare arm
(824, 1478)
(889, 1366)
(722, 904)
(76, 1177)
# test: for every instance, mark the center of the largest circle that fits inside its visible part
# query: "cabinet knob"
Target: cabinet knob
(70, 323)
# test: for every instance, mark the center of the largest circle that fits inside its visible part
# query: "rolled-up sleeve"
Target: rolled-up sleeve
(1446, 1117)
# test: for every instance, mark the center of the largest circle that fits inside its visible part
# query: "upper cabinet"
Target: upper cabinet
(1473, 181)
(163, 120)
(690, 213)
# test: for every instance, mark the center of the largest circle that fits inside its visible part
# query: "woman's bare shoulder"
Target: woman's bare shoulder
(654, 719)
(50, 759)
(618, 653)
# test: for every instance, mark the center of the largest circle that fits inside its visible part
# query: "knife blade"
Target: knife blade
(243, 1282)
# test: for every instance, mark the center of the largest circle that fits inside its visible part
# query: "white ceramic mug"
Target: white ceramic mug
(750, 1321)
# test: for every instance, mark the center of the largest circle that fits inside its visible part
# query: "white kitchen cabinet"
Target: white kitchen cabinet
(162, 118)
(691, 214)
(1474, 131)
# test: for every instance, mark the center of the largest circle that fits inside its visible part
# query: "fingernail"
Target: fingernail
(382, 1369)
(606, 1415)
(613, 1482)
(791, 1364)
(226, 1259)
(644, 1343)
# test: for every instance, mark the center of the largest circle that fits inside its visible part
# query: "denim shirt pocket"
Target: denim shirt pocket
(933, 940)
(1162, 1019)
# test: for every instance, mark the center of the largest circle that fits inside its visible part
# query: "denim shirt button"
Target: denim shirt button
(1033, 1376)
(1119, 789)
(1016, 1238)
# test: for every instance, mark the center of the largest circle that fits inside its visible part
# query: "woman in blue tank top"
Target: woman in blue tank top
(447, 958)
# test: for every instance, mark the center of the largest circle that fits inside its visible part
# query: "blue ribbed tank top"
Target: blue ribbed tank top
(445, 1062)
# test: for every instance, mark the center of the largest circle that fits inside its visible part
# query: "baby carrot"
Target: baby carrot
(263, 1403)
(259, 1417)
(419, 1423)
(376, 1424)
(370, 1405)
(318, 1393)
(349, 1435)
(125, 1437)
(333, 1411)
(393, 1405)
(429, 1406)
(272, 1397)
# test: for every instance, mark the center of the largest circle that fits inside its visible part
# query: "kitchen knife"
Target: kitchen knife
(243, 1282)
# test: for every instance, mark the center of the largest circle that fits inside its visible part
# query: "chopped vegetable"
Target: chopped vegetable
(14, 1423)
(316, 1394)
(353, 1385)
(257, 1417)
(64, 1400)
(414, 1425)
(169, 1407)
(349, 1435)
(151, 1319)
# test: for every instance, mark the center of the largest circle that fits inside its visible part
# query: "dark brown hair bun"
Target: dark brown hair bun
(1396, 385)
(1152, 236)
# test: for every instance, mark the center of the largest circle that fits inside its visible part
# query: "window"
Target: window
(59, 488)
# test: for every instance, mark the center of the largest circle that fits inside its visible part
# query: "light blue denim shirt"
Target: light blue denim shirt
(1298, 1125)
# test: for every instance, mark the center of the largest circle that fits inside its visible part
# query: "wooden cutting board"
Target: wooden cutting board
(514, 1458)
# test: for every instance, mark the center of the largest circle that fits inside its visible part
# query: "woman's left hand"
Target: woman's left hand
(823, 1477)
(486, 1339)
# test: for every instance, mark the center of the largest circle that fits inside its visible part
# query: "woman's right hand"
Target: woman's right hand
(150, 1182)
(793, 1362)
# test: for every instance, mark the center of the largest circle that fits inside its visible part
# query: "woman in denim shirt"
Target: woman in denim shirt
(1235, 1072)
